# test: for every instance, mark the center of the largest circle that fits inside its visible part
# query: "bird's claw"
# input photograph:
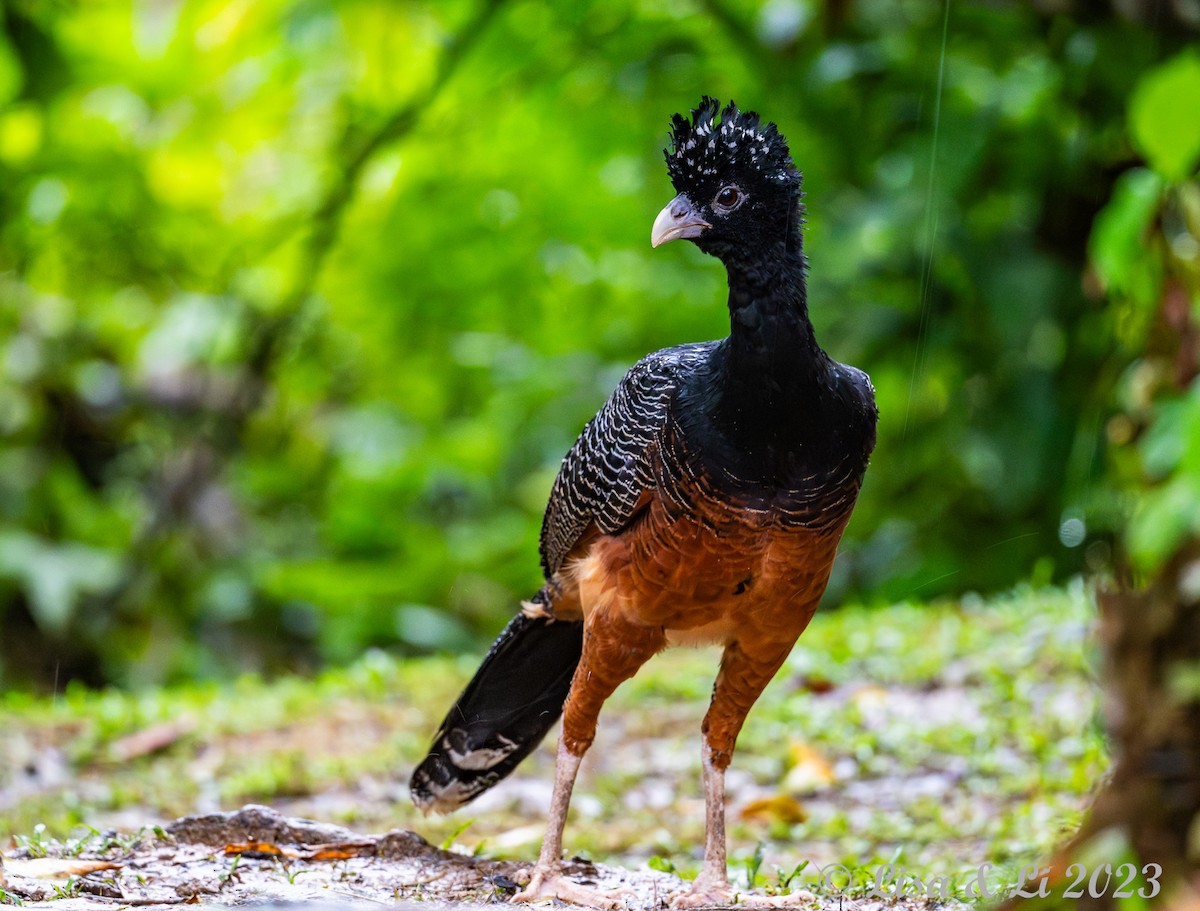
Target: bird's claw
(703, 895)
(547, 884)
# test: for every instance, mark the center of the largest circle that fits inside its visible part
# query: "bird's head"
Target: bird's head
(738, 190)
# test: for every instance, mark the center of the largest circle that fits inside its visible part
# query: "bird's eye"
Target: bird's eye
(729, 197)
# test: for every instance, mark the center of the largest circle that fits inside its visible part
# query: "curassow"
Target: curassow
(702, 504)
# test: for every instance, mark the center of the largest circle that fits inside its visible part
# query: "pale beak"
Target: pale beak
(678, 219)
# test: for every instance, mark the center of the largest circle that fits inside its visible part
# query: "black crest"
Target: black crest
(737, 141)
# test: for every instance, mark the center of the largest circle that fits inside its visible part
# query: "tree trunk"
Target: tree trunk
(1149, 809)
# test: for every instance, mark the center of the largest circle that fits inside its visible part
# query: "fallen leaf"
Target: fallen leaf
(815, 683)
(56, 867)
(809, 770)
(870, 697)
(342, 851)
(518, 836)
(260, 847)
(150, 740)
(782, 807)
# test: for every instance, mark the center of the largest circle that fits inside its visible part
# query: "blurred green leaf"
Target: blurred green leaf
(10, 73)
(1162, 118)
(1164, 517)
(56, 576)
(1169, 511)
(298, 331)
(1119, 236)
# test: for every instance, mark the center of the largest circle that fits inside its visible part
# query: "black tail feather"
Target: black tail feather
(514, 699)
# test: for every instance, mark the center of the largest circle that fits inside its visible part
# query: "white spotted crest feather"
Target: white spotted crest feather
(706, 146)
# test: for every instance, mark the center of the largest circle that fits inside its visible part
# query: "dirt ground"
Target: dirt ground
(946, 748)
(258, 857)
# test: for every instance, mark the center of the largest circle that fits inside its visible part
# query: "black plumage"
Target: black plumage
(603, 477)
(515, 697)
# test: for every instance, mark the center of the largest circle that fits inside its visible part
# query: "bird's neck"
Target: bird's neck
(772, 364)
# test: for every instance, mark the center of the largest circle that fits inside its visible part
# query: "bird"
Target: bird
(703, 504)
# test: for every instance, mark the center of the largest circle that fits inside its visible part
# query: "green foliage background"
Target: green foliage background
(301, 301)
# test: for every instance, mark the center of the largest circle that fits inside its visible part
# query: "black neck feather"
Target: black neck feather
(772, 367)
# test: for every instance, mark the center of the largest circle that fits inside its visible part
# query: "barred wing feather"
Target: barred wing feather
(608, 469)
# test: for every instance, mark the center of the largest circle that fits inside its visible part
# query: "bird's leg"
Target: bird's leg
(740, 682)
(713, 873)
(565, 769)
(547, 879)
(612, 653)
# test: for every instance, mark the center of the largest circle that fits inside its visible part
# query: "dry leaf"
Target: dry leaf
(870, 697)
(150, 740)
(518, 836)
(56, 867)
(815, 683)
(809, 770)
(342, 851)
(781, 807)
(260, 847)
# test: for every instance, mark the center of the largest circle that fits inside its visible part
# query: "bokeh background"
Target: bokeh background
(302, 301)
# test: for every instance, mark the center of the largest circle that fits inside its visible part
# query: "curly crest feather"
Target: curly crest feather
(737, 140)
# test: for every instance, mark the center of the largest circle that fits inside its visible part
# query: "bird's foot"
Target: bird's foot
(704, 893)
(546, 884)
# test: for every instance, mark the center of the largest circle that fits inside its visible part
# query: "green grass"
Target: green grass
(930, 737)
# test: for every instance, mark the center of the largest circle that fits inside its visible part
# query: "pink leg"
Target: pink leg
(547, 880)
(739, 683)
(608, 659)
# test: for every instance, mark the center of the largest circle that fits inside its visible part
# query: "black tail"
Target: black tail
(514, 699)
